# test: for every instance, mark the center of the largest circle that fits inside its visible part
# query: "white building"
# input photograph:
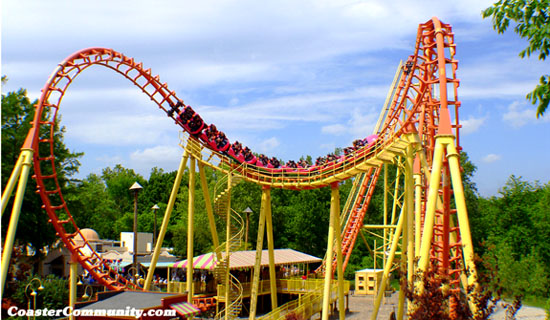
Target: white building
(145, 242)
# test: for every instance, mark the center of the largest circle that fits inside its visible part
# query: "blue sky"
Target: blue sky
(287, 78)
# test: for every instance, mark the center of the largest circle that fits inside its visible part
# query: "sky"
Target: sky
(286, 78)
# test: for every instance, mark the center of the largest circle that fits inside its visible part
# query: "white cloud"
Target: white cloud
(471, 124)
(163, 156)
(490, 158)
(269, 145)
(358, 125)
(119, 130)
(336, 129)
(519, 114)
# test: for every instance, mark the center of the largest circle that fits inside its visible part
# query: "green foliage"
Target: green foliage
(55, 294)
(515, 237)
(17, 115)
(532, 21)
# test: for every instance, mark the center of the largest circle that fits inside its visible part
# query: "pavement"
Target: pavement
(361, 308)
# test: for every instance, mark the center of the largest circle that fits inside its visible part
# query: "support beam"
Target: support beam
(228, 240)
(433, 194)
(73, 274)
(385, 240)
(339, 256)
(270, 247)
(330, 246)
(417, 213)
(259, 247)
(209, 211)
(14, 177)
(165, 221)
(190, 229)
(409, 209)
(25, 164)
(462, 213)
(387, 268)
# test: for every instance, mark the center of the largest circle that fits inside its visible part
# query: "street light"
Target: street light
(33, 293)
(248, 211)
(87, 296)
(136, 187)
(155, 208)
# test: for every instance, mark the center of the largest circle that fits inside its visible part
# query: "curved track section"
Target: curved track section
(415, 108)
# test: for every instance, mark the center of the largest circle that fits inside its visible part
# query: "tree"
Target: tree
(532, 20)
(17, 115)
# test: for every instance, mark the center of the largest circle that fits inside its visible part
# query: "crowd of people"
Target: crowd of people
(218, 141)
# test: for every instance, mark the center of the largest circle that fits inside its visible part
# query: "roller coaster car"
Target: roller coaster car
(251, 160)
(222, 143)
(235, 153)
(195, 125)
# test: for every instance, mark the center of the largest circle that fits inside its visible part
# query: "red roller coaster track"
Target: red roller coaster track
(420, 105)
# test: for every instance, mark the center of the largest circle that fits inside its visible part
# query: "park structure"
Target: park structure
(425, 218)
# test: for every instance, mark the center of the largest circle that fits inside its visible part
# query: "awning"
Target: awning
(246, 259)
(163, 264)
(185, 309)
(205, 261)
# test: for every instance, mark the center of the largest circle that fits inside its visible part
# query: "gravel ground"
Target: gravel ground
(360, 308)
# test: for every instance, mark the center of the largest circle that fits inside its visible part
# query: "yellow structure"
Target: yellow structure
(367, 281)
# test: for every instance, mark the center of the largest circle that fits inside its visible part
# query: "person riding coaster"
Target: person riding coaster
(249, 157)
(186, 114)
(175, 107)
(195, 125)
(221, 142)
(235, 151)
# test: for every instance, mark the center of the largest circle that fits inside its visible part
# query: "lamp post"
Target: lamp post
(135, 188)
(155, 208)
(87, 296)
(248, 211)
(33, 293)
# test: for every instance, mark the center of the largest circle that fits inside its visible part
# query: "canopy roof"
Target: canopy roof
(246, 259)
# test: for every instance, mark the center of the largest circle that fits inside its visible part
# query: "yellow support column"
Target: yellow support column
(228, 281)
(462, 213)
(190, 229)
(409, 208)
(24, 166)
(259, 248)
(417, 212)
(385, 243)
(404, 255)
(165, 221)
(270, 247)
(209, 210)
(73, 274)
(330, 246)
(14, 177)
(387, 268)
(339, 256)
(433, 194)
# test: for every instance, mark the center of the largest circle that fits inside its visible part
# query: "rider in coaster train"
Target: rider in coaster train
(211, 132)
(221, 141)
(195, 124)
(247, 154)
(237, 147)
(275, 162)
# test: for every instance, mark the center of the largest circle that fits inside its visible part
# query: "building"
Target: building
(145, 242)
(121, 252)
(367, 281)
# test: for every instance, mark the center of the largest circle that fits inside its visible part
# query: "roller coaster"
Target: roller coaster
(418, 131)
